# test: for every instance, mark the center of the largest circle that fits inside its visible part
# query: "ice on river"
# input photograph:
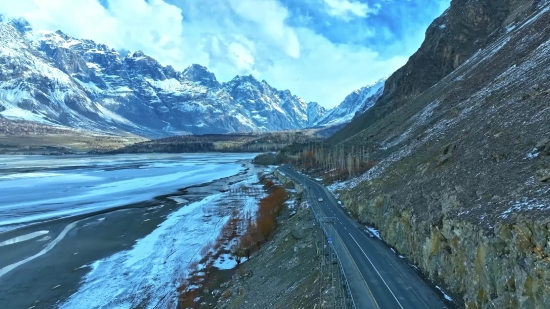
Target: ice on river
(149, 272)
(37, 188)
(148, 275)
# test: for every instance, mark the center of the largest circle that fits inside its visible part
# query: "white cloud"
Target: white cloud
(241, 54)
(270, 18)
(327, 72)
(297, 59)
(347, 9)
(230, 37)
(152, 26)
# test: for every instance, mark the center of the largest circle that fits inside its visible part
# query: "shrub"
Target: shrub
(226, 294)
(269, 184)
(365, 166)
(269, 208)
(266, 226)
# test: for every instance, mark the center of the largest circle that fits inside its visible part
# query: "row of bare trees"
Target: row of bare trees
(337, 162)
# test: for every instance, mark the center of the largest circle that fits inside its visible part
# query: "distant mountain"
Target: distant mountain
(354, 104)
(314, 113)
(54, 79)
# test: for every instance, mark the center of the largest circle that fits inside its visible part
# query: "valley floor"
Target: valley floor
(63, 143)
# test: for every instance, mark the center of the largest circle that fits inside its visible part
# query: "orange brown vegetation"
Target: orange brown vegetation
(240, 236)
(269, 208)
(269, 184)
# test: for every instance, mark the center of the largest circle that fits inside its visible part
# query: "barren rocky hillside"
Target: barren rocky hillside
(467, 27)
(462, 140)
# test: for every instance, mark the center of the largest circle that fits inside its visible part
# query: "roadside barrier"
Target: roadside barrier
(331, 238)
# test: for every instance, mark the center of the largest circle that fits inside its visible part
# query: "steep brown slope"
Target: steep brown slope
(462, 185)
(451, 39)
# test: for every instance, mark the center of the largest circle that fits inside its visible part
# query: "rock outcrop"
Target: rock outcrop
(461, 31)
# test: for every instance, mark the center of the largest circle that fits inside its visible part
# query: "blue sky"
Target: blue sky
(321, 50)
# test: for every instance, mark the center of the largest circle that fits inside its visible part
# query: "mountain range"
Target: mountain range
(52, 78)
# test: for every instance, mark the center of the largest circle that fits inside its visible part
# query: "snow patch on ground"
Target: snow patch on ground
(525, 204)
(374, 232)
(447, 297)
(227, 261)
(533, 154)
(150, 270)
(150, 273)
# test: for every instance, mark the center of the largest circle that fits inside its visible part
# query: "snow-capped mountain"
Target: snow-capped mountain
(314, 113)
(354, 104)
(53, 78)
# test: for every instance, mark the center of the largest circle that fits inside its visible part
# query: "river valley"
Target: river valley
(111, 231)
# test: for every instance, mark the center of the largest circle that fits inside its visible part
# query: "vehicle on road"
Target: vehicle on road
(320, 199)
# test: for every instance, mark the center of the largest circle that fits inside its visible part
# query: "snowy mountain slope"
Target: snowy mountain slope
(314, 113)
(354, 104)
(54, 78)
(31, 88)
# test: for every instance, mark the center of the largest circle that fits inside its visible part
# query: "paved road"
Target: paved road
(390, 281)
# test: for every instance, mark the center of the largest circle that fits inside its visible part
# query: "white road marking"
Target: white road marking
(376, 270)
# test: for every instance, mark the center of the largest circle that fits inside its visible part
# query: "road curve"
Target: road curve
(391, 282)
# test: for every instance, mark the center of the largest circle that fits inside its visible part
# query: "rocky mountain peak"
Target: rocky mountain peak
(287, 92)
(245, 79)
(354, 104)
(314, 112)
(138, 55)
(246, 85)
(200, 74)
(139, 63)
(63, 35)
(21, 24)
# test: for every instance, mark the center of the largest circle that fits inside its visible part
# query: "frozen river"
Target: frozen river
(113, 231)
(38, 188)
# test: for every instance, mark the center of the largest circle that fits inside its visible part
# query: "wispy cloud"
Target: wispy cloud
(319, 49)
(347, 9)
